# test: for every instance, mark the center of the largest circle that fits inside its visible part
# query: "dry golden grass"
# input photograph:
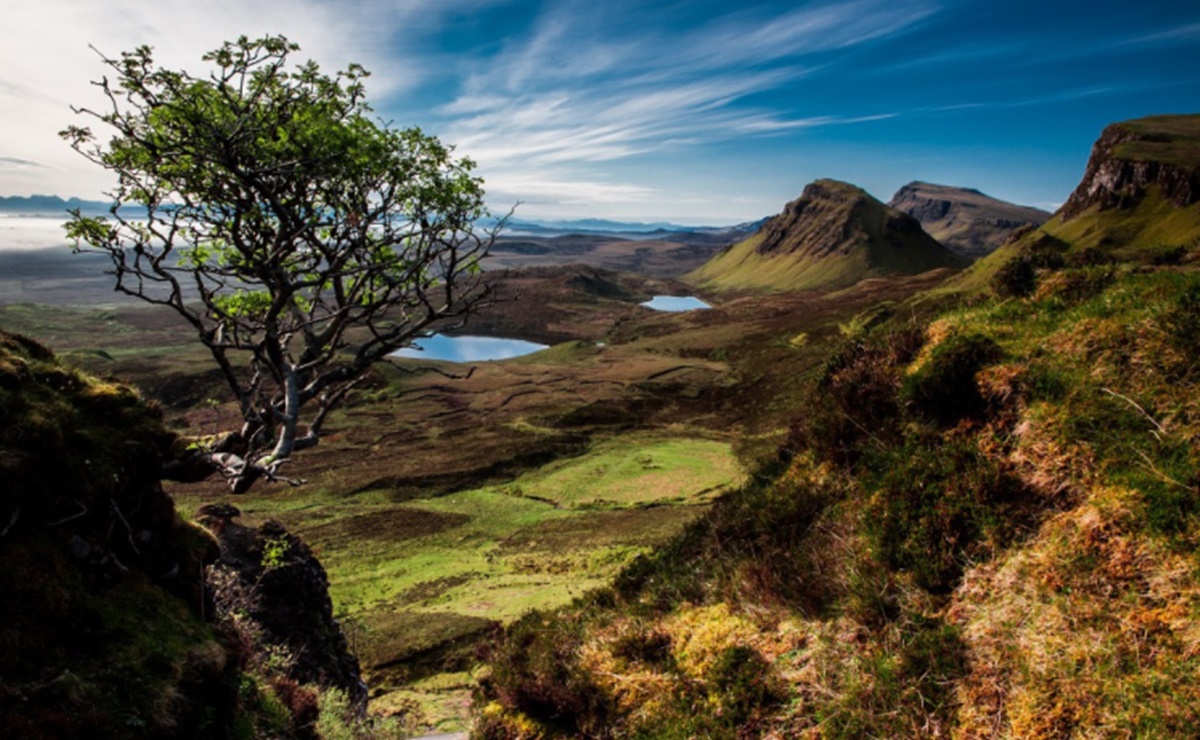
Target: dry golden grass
(1088, 632)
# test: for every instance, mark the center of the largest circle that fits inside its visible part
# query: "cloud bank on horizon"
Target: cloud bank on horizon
(696, 112)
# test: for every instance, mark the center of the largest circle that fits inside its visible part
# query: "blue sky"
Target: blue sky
(696, 112)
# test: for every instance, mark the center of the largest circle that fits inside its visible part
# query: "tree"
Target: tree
(302, 239)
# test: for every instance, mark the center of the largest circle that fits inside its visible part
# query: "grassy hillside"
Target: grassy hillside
(983, 524)
(833, 236)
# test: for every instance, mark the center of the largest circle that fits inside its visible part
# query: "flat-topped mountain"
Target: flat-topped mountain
(1133, 159)
(964, 220)
(1138, 201)
(833, 236)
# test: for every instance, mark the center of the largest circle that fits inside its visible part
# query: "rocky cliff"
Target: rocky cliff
(1138, 202)
(1130, 158)
(102, 631)
(964, 220)
(834, 235)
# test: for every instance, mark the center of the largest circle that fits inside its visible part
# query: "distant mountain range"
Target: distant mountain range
(53, 205)
(48, 205)
(621, 229)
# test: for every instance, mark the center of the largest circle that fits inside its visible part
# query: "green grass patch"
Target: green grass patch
(635, 470)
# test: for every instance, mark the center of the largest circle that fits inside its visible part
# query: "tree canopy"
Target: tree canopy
(300, 236)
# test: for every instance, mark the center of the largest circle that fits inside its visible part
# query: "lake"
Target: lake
(468, 348)
(675, 303)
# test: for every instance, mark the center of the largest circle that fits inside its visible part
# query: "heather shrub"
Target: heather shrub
(943, 389)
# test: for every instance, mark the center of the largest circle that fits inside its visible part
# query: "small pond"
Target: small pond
(468, 349)
(675, 303)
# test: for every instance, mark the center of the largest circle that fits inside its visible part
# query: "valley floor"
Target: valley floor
(443, 506)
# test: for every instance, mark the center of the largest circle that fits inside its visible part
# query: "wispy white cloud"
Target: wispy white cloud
(1065, 95)
(46, 63)
(768, 124)
(561, 188)
(568, 94)
(1178, 34)
(15, 163)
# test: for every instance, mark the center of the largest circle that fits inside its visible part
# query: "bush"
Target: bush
(944, 389)
(536, 674)
(1016, 278)
(1091, 257)
(936, 506)
(855, 402)
(1076, 285)
(743, 684)
(1182, 323)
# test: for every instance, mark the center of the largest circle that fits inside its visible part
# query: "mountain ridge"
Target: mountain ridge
(964, 220)
(1138, 200)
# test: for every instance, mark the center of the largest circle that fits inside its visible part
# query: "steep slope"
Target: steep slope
(1139, 200)
(833, 236)
(984, 523)
(100, 634)
(964, 220)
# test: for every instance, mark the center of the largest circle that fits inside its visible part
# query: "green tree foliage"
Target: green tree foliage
(302, 239)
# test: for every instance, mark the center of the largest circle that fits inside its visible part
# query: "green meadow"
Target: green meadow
(416, 582)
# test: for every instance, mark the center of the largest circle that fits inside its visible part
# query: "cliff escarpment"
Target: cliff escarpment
(102, 633)
(1138, 201)
(1132, 157)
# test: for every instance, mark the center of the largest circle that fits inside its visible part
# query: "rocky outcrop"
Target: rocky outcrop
(107, 626)
(102, 629)
(963, 219)
(832, 217)
(1132, 157)
(275, 591)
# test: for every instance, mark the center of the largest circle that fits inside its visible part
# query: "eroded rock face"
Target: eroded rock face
(271, 587)
(1117, 177)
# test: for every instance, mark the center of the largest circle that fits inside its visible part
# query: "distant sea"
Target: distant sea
(32, 232)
